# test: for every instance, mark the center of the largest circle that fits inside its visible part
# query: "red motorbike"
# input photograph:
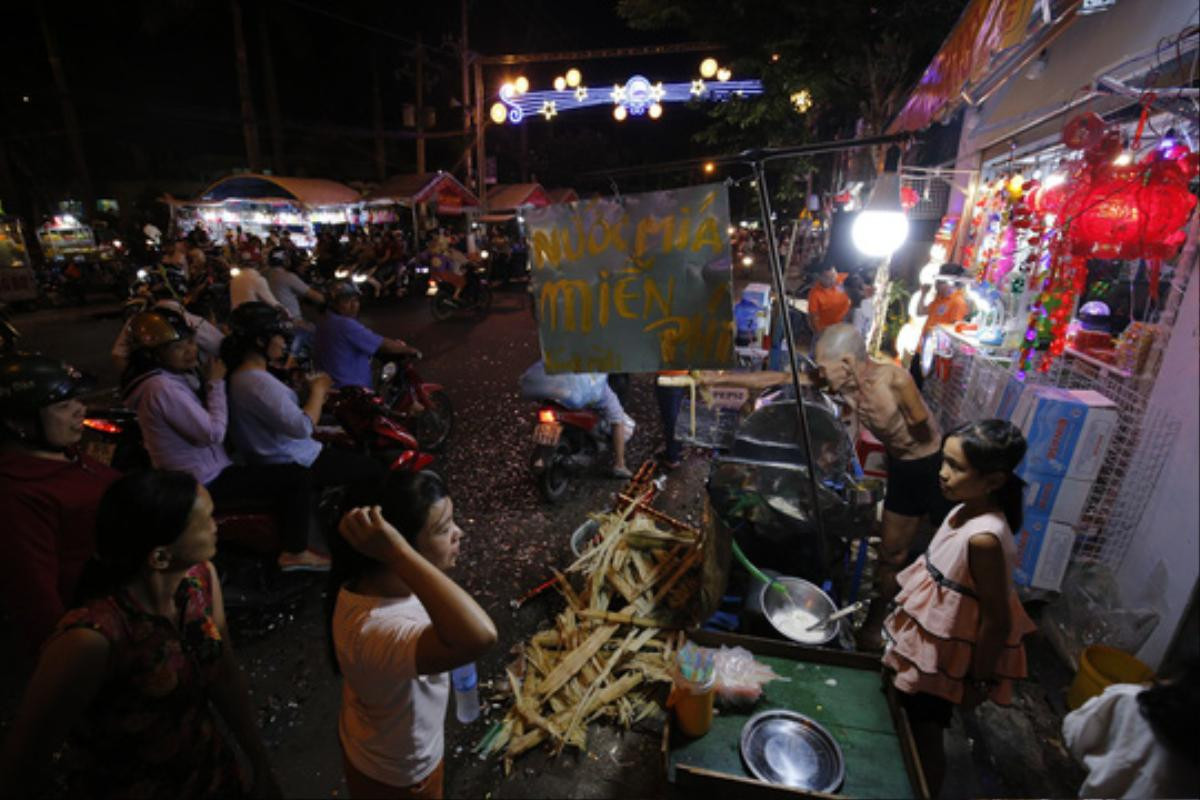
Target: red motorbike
(366, 424)
(423, 408)
(566, 444)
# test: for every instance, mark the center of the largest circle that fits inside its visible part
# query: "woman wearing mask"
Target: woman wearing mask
(133, 675)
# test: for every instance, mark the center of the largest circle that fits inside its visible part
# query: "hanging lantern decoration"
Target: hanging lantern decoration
(909, 198)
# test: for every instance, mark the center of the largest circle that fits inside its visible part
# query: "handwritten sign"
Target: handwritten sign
(635, 284)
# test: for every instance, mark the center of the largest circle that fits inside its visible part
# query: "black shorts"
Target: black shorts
(924, 707)
(913, 489)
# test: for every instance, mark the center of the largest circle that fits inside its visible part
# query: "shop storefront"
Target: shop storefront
(261, 204)
(1078, 239)
(421, 203)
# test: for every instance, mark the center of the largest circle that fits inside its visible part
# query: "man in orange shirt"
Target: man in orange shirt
(828, 303)
(947, 307)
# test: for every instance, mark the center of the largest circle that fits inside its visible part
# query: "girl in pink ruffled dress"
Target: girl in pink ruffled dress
(955, 635)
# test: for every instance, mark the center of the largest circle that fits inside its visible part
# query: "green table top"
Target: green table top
(848, 702)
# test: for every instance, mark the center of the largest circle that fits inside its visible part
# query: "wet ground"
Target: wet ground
(513, 542)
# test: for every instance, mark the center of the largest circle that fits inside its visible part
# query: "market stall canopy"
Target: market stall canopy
(310, 192)
(558, 196)
(1122, 43)
(510, 197)
(414, 189)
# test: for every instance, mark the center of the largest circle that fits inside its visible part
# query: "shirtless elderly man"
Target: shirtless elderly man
(886, 402)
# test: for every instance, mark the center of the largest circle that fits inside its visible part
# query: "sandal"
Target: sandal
(622, 472)
(661, 458)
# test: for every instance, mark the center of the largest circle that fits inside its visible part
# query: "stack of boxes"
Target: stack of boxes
(1068, 433)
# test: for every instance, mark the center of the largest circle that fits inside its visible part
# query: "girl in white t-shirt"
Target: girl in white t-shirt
(398, 624)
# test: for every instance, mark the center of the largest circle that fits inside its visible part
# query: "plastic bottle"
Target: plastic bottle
(466, 693)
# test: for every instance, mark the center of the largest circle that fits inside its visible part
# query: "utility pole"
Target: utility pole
(466, 92)
(70, 121)
(274, 118)
(249, 124)
(420, 106)
(377, 118)
(480, 154)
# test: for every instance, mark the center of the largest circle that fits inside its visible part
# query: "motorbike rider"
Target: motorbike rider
(343, 346)
(289, 289)
(448, 264)
(184, 430)
(208, 336)
(49, 492)
(249, 284)
(267, 424)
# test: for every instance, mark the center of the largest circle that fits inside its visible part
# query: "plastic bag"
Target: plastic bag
(740, 677)
(1091, 611)
(574, 390)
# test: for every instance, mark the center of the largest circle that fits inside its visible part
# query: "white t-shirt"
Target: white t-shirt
(862, 318)
(247, 285)
(288, 288)
(392, 720)
(1117, 746)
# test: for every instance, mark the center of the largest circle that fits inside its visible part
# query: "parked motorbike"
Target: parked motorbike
(566, 444)
(476, 296)
(424, 408)
(366, 424)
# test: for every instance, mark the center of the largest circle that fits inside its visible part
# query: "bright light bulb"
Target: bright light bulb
(709, 168)
(573, 77)
(521, 84)
(619, 113)
(708, 67)
(1123, 160)
(655, 111)
(747, 261)
(560, 84)
(879, 233)
(507, 89)
(1056, 179)
(723, 74)
(499, 113)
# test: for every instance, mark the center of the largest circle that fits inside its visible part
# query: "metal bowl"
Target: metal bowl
(783, 747)
(804, 604)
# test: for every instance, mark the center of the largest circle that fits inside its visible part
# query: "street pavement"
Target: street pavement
(512, 542)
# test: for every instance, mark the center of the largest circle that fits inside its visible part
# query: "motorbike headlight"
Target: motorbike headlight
(484, 254)
(117, 243)
(432, 290)
(388, 372)
(234, 272)
(359, 278)
(341, 274)
(142, 275)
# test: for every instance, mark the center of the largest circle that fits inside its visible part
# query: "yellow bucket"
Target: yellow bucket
(1101, 666)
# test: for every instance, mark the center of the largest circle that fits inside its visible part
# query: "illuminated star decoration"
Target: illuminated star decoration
(698, 87)
(580, 94)
(657, 92)
(617, 94)
(549, 109)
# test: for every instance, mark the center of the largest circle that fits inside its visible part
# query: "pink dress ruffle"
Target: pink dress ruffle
(932, 632)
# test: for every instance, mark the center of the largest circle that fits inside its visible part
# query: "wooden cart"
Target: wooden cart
(842, 691)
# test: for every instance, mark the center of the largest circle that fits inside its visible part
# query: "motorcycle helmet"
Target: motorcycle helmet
(342, 289)
(278, 257)
(257, 319)
(28, 383)
(158, 326)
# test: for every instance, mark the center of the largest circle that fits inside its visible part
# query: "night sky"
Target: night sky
(155, 89)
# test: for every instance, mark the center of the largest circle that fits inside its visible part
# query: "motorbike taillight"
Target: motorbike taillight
(102, 425)
(547, 415)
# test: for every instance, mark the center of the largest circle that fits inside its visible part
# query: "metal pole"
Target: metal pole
(480, 151)
(760, 175)
(466, 91)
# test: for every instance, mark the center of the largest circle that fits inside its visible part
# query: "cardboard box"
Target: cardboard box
(1055, 497)
(1068, 432)
(1009, 396)
(1043, 552)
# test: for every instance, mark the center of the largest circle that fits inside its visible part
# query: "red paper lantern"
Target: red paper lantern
(1134, 211)
(909, 198)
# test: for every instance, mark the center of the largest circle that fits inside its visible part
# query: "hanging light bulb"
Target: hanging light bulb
(619, 113)
(881, 226)
(708, 67)
(521, 84)
(560, 84)
(499, 113)
(573, 77)
(724, 74)
(655, 110)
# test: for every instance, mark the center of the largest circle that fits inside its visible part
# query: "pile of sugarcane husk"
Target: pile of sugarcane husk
(614, 644)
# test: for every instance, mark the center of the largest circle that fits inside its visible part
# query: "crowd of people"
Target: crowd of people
(110, 581)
